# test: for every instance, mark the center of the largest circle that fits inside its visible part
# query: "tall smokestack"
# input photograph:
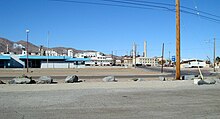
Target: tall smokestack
(134, 54)
(145, 49)
(7, 49)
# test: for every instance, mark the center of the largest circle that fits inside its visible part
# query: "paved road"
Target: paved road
(187, 71)
(141, 100)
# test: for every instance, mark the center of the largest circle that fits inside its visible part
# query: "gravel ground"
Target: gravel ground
(81, 72)
(121, 100)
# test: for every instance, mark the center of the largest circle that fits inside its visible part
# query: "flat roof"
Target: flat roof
(77, 59)
(44, 57)
(64, 58)
(2, 57)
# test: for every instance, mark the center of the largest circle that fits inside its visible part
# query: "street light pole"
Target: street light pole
(27, 32)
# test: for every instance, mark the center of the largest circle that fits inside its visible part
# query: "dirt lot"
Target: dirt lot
(94, 99)
(119, 100)
(84, 74)
(80, 72)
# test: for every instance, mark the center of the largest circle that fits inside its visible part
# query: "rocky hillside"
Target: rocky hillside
(17, 47)
(12, 47)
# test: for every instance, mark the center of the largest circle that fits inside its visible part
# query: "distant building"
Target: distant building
(97, 58)
(119, 62)
(147, 61)
(87, 54)
(127, 60)
(51, 53)
(15, 45)
(41, 51)
(54, 61)
(5, 61)
(192, 63)
(70, 53)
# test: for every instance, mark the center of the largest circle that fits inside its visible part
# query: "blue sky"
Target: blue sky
(108, 28)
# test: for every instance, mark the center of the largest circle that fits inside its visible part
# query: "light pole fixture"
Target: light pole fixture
(27, 32)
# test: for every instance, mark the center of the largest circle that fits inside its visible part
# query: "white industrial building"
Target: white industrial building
(51, 53)
(97, 58)
(143, 60)
(87, 54)
(192, 63)
(70, 53)
(147, 61)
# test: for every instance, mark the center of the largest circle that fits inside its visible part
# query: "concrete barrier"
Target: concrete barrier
(202, 82)
(109, 79)
(45, 80)
(71, 79)
(19, 81)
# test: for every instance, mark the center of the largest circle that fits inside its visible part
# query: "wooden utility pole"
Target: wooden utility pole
(214, 56)
(162, 58)
(178, 39)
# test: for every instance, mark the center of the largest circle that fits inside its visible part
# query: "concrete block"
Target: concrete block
(188, 77)
(1, 82)
(109, 79)
(71, 79)
(45, 80)
(137, 79)
(140, 79)
(210, 81)
(217, 80)
(162, 78)
(202, 82)
(19, 81)
(196, 81)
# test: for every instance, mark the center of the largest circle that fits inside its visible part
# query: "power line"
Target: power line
(200, 11)
(173, 10)
(157, 3)
(147, 5)
(140, 4)
(202, 16)
(172, 5)
(103, 4)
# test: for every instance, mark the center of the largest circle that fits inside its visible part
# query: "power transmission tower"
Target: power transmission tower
(178, 39)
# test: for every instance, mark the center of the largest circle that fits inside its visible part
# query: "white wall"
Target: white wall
(193, 64)
(60, 65)
(70, 53)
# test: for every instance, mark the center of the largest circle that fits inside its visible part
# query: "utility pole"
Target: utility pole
(112, 54)
(214, 56)
(178, 39)
(135, 54)
(27, 32)
(162, 58)
(169, 58)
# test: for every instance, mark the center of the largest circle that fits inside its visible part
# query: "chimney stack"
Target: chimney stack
(145, 49)
(7, 49)
(134, 54)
